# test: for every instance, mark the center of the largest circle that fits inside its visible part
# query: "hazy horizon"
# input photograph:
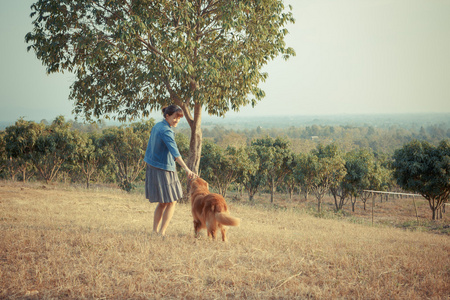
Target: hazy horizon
(411, 120)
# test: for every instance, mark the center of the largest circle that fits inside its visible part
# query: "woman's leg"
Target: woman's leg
(165, 212)
(167, 216)
(159, 210)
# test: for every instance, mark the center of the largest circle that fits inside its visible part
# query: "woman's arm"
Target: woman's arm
(189, 173)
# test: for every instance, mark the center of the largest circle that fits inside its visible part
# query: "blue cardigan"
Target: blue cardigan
(162, 149)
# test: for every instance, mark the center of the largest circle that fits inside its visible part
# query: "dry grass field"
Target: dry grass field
(394, 212)
(69, 243)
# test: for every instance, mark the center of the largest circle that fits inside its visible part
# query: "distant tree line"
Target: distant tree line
(58, 150)
(306, 138)
(62, 151)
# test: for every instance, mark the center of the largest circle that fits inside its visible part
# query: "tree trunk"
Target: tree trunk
(436, 207)
(195, 145)
(250, 196)
(88, 179)
(24, 175)
(335, 202)
(223, 188)
(12, 170)
(353, 203)
(272, 189)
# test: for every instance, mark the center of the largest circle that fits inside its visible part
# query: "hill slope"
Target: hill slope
(70, 243)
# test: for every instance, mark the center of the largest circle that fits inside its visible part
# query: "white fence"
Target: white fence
(394, 193)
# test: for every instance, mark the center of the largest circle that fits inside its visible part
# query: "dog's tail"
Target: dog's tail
(224, 218)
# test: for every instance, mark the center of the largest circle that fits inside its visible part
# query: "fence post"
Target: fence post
(373, 204)
(415, 208)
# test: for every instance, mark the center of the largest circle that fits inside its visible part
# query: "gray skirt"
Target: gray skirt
(162, 186)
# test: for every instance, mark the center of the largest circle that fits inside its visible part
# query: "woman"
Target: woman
(161, 180)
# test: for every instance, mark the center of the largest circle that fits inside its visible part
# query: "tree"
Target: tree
(291, 180)
(126, 146)
(215, 166)
(344, 189)
(310, 175)
(3, 154)
(20, 140)
(275, 158)
(422, 168)
(304, 174)
(134, 56)
(223, 167)
(89, 156)
(54, 146)
(182, 144)
(362, 174)
(322, 169)
(251, 176)
(242, 163)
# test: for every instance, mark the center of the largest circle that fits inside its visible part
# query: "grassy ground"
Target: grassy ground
(406, 212)
(64, 242)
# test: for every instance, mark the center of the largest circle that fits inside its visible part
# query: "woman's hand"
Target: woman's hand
(191, 174)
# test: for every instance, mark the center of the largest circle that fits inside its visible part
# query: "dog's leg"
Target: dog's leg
(211, 227)
(197, 227)
(223, 230)
(212, 233)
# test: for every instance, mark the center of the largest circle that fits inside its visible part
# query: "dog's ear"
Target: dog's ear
(201, 182)
(194, 182)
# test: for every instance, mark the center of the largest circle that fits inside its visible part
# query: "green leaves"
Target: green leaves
(130, 56)
(126, 147)
(221, 166)
(47, 147)
(321, 170)
(422, 168)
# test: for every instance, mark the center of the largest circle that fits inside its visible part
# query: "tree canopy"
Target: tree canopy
(322, 169)
(134, 56)
(425, 169)
(275, 158)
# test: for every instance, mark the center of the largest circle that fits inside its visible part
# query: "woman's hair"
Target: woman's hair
(171, 109)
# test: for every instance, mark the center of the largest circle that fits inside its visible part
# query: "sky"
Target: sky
(353, 57)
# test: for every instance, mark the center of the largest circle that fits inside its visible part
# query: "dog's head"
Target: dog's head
(198, 184)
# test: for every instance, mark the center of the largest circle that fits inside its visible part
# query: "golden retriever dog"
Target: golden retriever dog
(209, 210)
